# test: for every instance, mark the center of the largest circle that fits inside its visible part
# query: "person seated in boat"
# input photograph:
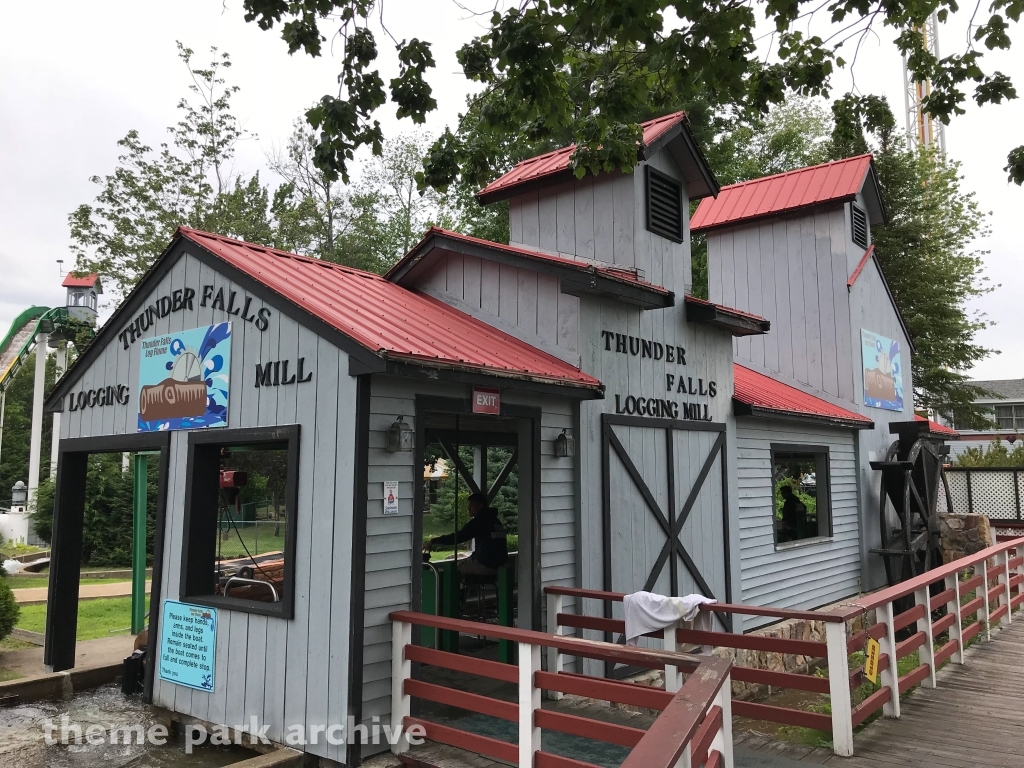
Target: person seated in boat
(488, 535)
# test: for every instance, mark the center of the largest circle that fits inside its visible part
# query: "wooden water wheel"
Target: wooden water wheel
(912, 479)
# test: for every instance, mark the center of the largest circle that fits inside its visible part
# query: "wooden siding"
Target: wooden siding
(804, 575)
(280, 671)
(792, 271)
(871, 309)
(525, 304)
(389, 540)
(603, 219)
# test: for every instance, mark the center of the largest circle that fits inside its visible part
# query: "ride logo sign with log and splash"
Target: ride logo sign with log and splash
(883, 372)
(184, 378)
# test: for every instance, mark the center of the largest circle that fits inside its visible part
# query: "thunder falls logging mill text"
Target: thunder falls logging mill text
(656, 407)
(181, 299)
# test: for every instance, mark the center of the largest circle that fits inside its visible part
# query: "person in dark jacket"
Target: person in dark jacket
(488, 534)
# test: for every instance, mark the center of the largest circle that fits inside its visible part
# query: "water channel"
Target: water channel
(23, 738)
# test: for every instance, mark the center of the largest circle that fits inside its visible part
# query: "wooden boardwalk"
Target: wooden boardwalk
(975, 717)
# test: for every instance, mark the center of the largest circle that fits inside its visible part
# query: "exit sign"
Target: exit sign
(486, 400)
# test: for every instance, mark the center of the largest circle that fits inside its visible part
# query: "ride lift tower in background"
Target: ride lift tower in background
(923, 129)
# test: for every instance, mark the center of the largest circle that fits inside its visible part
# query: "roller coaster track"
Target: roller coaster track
(21, 338)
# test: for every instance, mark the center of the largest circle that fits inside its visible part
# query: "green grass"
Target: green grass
(258, 540)
(96, 618)
(29, 582)
(10, 550)
(11, 644)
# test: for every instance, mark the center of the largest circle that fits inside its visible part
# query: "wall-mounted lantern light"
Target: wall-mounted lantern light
(565, 445)
(400, 437)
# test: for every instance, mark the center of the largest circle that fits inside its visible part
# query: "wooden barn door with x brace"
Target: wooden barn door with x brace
(665, 507)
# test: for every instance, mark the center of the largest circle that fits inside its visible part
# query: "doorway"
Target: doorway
(67, 542)
(464, 454)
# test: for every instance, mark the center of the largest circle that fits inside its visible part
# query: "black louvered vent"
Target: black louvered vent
(664, 205)
(860, 225)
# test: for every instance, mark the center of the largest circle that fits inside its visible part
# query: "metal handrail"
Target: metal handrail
(437, 585)
(244, 580)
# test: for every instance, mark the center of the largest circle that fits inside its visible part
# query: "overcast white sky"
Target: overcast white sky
(75, 79)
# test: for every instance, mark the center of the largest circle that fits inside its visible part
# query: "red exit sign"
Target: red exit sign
(487, 400)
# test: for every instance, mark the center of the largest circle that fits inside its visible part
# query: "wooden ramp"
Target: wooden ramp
(975, 717)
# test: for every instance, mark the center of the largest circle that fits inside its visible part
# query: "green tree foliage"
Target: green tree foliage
(368, 224)
(108, 521)
(183, 182)
(506, 501)
(997, 454)
(588, 69)
(9, 610)
(18, 425)
(740, 147)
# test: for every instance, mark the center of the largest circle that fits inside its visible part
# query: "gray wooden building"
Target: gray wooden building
(797, 248)
(638, 417)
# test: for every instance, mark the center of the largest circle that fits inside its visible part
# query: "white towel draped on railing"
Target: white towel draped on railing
(648, 612)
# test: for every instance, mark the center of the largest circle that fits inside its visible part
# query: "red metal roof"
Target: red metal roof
(939, 429)
(619, 274)
(765, 396)
(80, 282)
(840, 180)
(388, 319)
(860, 266)
(557, 161)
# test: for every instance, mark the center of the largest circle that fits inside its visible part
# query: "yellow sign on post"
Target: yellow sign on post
(871, 660)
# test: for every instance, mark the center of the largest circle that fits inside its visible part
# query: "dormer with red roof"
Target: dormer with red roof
(796, 248)
(632, 221)
(82, 302)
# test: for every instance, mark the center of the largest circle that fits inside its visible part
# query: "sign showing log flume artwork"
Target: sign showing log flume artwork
(172, 399)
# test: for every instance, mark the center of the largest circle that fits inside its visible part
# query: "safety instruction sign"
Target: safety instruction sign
(390, 497)
(188, 639)
(871, 660)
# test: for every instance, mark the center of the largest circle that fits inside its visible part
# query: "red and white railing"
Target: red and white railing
(987, 586)
(693, 730)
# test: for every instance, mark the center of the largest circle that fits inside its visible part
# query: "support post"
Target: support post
(956, 632)
(1003, 564)
(723, 739)
(673, 677)
(3, 409)
(139, 544)
(839, 688)
(401, 670)
(529, 703)
(685, 760)
(1018, 552)
(555, 658)
(60, 363)
(36, 438)
(986, 611)
(923, 597)
(890, 675)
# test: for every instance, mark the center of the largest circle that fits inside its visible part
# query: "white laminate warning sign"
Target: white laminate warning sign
(390, 497)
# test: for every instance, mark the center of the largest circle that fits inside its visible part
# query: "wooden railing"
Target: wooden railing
(952, 605)
(693, 730)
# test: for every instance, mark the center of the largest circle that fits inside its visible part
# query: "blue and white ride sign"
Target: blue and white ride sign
(188, 639)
